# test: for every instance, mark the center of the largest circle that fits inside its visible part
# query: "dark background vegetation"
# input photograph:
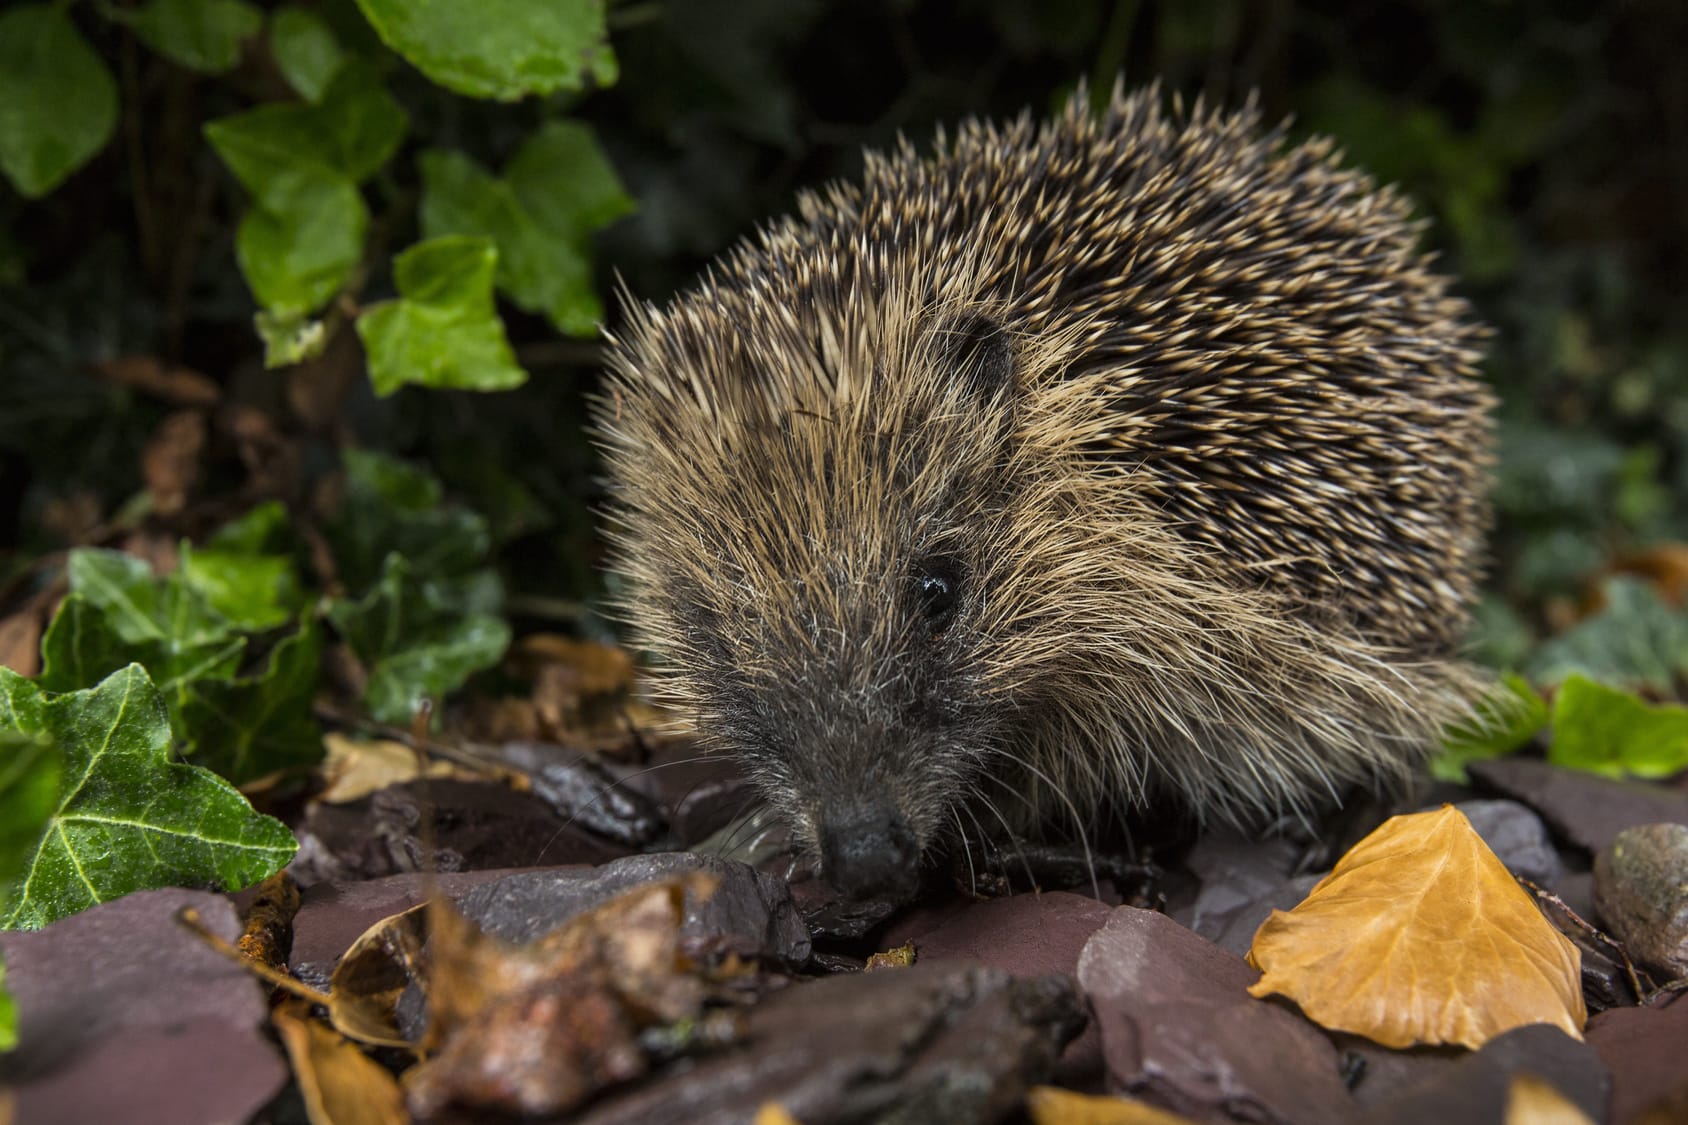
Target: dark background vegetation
(1546, 143)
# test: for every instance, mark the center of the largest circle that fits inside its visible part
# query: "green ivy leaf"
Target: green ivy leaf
(142, 607)
(128, 818)
(83, 646)
(502, 49)
(389, 507)
(420, 639)
(247, 728)
(30, 776)
(305, 50)
(1637, 641)
(1607, 731)
(253, 592)
(202, 35)
(298, 248)
(556, 191)
(58, 102)
(302, 163)
(443, 330)
(263, 530)
(1504, 720)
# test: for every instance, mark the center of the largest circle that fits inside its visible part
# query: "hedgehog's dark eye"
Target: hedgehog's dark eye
(937, 591)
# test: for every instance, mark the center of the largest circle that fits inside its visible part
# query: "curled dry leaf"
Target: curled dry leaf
(339, 1083)
(357, 767)
(899, 958)
(772, 1113)
(1051, 1105)
(536, 1029)
(1421, 936)
(370, 977)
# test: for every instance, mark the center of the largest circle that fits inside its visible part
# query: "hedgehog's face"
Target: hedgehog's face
(822, 601)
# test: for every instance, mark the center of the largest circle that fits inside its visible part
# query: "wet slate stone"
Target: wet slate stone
(1587, 810)
(1179, 1029)
(1027, 935)
(1518, 838)
(1473, 1088)
(1647, 1052)
(943, 1043)
(127, 1016)
(1641, 892)
(333, 915)
(476, 825)
(587, 792)
(1242, 881)
(698, 794)
(751, 914)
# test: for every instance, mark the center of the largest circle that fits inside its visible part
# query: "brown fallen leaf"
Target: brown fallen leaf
(20, 641)
(1531, 1101)
(536, 1029)
(1420, 936)
(180, 385)
(357, 767)
(170, 462)
(370, 977)
(339, 1083)
(1051, 1105)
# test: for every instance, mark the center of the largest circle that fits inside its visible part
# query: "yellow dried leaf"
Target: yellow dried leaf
(340, 1084)
(1421, 935)
(773, 1113)
(355, 767)
(1051, 1105)
(1531, 1101)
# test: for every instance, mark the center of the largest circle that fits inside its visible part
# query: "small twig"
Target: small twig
(1596, 934)
(189, 917)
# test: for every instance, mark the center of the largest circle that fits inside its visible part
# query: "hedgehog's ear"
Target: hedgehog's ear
(977, 352)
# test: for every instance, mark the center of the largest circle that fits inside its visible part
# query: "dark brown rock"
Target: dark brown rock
(1641, 892)
(1027, 935)
(1647, 1052)
(333, 915)
(1518, 838)
(953, 1044)
(127, 1016)
(1473, 1089)
(750, 914)
(475, 825)
(1179, 1029)
(1587, 810)
(587, 792)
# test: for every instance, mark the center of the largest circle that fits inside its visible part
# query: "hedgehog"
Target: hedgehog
(1133, 459)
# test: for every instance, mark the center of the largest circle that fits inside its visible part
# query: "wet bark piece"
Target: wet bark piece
(1641, 889)
(1646, 1049)
(750, 914)
(1587, 810)
(1473, 1089)
(126, 1016)
(954, 1044)
(1179, 1029)
(586, 791)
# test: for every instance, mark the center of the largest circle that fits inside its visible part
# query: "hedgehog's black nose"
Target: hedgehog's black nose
(869, 851)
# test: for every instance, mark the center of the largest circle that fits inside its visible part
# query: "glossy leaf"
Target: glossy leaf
(58, 102)
(305, 50)
(250, 727)
(556, 191)
(298, 250)
(128, 817)
(1502, 722)
(83, 646)
(420, 639)
(202, 35)
(391, 507)
(30, 775)
(1607, 731)
(1421, 936)
(443, 330)
(501, 49)
(8, 1012)
(1637, 641)
(253, 592)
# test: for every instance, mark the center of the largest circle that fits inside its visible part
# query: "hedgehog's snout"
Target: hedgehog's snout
(868, 850)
